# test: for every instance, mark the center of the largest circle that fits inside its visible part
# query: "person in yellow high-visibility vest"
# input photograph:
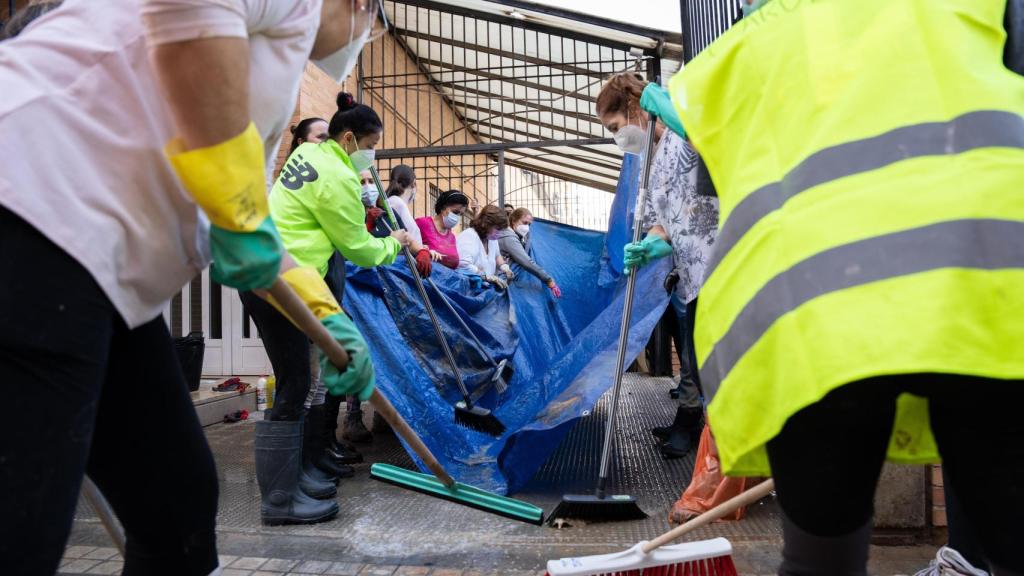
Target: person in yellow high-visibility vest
(865, 297)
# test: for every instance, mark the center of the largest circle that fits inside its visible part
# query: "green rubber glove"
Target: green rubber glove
(227, 181)
(640, 253)
(358, 379)
(656, 100)
(245, 260)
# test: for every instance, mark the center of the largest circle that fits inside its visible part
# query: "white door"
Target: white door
(233, 346)
(247, 354)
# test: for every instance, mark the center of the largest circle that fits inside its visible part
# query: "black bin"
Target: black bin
(190, 353)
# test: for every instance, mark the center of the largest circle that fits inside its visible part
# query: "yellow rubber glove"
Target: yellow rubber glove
(228, 181)
(358, 378)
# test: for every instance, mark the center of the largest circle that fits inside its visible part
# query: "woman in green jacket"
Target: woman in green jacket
(317, 207)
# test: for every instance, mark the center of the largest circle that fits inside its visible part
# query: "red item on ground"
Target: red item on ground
(228, 385)
(236, 416)
(708, 487)
(423, 263)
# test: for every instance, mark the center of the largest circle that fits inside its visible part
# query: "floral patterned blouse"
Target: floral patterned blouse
(690, 220)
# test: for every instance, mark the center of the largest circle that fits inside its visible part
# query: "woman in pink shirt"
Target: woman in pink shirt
(437, 229)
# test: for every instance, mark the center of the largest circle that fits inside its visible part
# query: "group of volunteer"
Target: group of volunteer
(858, 263)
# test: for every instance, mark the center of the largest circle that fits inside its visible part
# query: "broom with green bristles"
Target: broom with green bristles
(654, 558)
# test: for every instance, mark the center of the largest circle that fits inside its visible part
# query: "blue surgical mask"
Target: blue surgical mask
(370, 195)
(451, 220)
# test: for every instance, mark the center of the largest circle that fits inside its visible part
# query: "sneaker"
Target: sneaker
(949, 562)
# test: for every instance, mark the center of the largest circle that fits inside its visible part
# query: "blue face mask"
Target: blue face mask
(451, 220)
(749, 9)
(370, 195)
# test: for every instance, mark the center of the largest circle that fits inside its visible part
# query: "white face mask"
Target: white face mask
(523, 229)
(631, 139)
(412, 195)
(370, 195)
(340, 64)
(451, 220)
(362, 159)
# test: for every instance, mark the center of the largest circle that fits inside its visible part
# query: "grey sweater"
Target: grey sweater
(515, 250)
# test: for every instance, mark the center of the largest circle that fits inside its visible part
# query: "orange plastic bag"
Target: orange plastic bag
(708, 487)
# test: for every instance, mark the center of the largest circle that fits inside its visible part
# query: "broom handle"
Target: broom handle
(462, 322)
(304, 319)
(95, 498)
(627, 313)
(730, 505)
(423, 294)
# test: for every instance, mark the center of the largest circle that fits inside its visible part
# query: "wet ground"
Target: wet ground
(383, 529)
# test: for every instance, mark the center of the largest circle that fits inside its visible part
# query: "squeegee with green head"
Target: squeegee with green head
(459, 493)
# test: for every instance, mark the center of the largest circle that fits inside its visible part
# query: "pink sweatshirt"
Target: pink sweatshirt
(443, 244)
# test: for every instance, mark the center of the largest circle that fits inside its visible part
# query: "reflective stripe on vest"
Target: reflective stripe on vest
(982, 129)
(971, 243)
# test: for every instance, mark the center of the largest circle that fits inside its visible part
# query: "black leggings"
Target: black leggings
(828, 457)
(83, 393)
(288, 350)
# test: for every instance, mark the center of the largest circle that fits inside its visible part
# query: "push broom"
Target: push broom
(655, 558)
(467, 413)
(601, 506)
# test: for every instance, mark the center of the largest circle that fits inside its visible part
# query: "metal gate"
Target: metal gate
(497, 99)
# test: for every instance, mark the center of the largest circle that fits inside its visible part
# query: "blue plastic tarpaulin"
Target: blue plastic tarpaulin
(563, 351)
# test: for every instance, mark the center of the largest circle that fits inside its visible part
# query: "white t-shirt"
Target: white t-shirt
(401, 210)
(472, 258)
(83, 126)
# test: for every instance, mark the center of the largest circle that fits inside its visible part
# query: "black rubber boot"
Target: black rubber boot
(342, 453)
(680, 438)
(313, 481)
(278, 467)
(380, 425)
(317, 447)
(663, 432)
(354, 430)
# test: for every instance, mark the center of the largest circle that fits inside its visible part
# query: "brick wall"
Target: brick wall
(938, 497)
(408, 115)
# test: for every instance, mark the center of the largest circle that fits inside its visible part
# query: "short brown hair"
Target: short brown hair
(518, 214)
(621, 93)
(489, 217)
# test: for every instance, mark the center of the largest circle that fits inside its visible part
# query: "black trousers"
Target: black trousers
(288, 350)
(83, 393)
(828, 457)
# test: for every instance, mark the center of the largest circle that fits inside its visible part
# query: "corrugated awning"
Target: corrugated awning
(524, 77)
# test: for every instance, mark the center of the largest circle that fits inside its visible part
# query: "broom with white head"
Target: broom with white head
(654, 558)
